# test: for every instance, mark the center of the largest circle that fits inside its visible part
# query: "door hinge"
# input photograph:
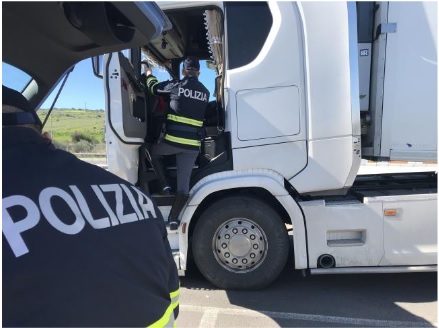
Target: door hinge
(386, 28)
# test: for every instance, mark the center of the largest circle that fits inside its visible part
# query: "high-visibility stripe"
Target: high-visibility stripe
(175, 294)
(183, 141)
(152, 87)
(168, 320)
(150, 78)
(151, 82)
(185, 120)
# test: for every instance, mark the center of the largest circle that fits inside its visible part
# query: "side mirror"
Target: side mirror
(210, 64)
(97, 66)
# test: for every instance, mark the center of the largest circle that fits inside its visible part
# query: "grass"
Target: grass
(65, 125)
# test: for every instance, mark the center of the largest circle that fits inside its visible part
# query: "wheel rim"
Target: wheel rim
(240, 245)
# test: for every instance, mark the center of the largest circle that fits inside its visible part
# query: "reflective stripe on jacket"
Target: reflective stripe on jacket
(188, 101)
(168, 318)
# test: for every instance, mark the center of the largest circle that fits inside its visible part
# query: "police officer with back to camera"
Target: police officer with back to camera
(81, 247)
(188, 99)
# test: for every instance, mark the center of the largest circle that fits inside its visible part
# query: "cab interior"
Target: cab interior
(195, 32)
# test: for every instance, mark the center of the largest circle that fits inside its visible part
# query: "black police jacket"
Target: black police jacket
(81, 247)
(188, 99)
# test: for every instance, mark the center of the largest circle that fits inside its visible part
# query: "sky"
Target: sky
(83, 90)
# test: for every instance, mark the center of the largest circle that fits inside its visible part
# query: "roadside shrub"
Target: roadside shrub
(60, 145)
(79, 136)
(82, 146)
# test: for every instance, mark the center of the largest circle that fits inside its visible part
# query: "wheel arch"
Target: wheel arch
(257, 192)
(266, 185)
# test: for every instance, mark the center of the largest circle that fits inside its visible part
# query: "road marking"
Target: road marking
(210, 315)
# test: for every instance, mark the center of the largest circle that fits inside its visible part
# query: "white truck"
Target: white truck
(303, 92)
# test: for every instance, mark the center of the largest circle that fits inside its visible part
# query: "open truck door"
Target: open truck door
(126, 111)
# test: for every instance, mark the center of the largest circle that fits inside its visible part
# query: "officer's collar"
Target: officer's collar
(190, 77)
(15, 135)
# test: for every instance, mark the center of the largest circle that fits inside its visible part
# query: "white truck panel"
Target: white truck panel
(255, 178)
(271, 121)
(286, 159)
(330, 163)
(333, 115)
(351, 232)
(409, 123)
(270, 89)
(328, 74)
(410, 237)
(361, 234)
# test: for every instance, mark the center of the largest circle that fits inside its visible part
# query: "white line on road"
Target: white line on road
(210, 315)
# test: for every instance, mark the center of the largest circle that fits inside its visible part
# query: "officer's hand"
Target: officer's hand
(46, 135)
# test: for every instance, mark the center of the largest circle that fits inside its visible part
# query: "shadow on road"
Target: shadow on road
(367, 296)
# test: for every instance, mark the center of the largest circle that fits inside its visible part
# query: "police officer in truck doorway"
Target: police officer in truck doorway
(184, 130)
(81, 246)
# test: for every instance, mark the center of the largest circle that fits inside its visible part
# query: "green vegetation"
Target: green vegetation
(75, 130)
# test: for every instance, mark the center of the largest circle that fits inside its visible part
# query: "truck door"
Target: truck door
(265, 86)
(126, 112)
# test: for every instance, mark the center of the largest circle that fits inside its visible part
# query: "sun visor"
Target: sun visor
(109, 23)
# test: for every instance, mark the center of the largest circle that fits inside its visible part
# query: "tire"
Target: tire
(240, 243)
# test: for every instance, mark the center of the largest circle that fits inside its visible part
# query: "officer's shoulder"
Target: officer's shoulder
(81, 166)
(205, 89)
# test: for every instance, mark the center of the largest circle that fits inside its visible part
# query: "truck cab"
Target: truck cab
(262, 113)
(302, 93)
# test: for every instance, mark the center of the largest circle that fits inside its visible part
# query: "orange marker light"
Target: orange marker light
(390, 212)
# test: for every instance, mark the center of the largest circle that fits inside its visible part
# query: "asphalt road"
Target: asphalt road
(379, 300)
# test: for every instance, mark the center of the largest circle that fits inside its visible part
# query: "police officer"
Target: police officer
(81, 247)
(184, 129)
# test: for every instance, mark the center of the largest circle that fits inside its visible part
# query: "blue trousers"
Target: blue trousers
(185, 162)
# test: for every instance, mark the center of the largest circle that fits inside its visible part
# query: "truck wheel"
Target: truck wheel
(240, 243)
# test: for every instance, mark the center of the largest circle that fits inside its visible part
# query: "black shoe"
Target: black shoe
(165, 192)
(179, 202)
(174, 225)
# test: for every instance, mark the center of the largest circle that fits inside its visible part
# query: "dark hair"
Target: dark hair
(191, 64)
(16, 99)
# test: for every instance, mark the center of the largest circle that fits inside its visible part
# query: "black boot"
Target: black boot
(179, 202)
(159, 169)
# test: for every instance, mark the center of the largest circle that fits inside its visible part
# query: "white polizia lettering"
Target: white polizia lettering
(192, 94)
(105, 204)
(123, 218)
(12, 230)
(46, 208)
(132, 202)
(83, 206)
(95, 223)
(148, 207)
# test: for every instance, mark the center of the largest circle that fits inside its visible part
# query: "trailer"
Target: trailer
(303, 92)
